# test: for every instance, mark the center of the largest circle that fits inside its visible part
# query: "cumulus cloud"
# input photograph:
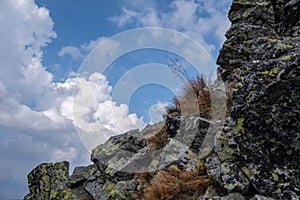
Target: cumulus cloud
(36, 114)
(49, 134)
(97, 116)
(37, 122)
(78, 53)
(199, 19)
(71, 51)
(28, 31)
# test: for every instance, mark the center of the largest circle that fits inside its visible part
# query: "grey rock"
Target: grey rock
(228, 175)
(95, 189)
(259, 197)
(257, 151)
(231, 196)
(263, 46)
(48, 181)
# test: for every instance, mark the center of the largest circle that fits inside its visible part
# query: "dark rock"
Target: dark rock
(172, 122)
(48, 181)
(231, 196)
(253, 154)
(259, 197)
(95, 189)
(228, 175)
(263, 46)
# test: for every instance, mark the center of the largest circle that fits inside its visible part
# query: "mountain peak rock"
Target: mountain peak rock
(256, 154)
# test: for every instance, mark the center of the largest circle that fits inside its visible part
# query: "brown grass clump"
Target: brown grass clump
(158, 140)
(196, 96)
(86, 198)
(194, 100)
(174, 183)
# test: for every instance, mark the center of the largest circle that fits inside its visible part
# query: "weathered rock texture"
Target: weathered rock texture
(256, 155)
(48, 181)
(116, 161)
(260, 59)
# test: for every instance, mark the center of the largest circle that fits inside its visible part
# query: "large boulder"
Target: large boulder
(49, 181)
(260, 60)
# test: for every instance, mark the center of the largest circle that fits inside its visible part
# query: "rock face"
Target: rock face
(260, 59)
(256, 154)
(117, 161)
(48, 181)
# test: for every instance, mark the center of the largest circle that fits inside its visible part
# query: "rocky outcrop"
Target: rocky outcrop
(256, 154)
(48, 181)
(260, 59)
(118, 160)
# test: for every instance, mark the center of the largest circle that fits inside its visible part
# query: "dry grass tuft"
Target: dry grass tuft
(174, 183)
(158, 140)
(194, 100)
(86, 198)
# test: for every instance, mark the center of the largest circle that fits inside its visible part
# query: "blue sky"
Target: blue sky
(43, 45)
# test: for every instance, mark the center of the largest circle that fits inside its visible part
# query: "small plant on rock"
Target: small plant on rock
(174, 183)
(158, 140)
(196, 96)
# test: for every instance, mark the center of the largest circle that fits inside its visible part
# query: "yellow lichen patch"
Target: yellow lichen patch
(240, 124)
(174, 168)
(283, 46)
(248, 172)
(275, 176)
(283, 184)
(287, 57)
(250, 94)
(154, 164)
(274, 72)
(269, 121)
(272, 40)
(226, 169)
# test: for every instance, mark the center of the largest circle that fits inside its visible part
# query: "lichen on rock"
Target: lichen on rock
(263, 43)
(48, 181)
(256, 155)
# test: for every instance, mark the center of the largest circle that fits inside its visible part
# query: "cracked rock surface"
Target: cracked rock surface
(255, 155)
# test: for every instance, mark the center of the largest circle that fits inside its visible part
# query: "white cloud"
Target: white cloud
(36, 114)
(71, 51)
(140, 4)
(28, 30)
(183, 14)
(199, 19)
(68, 153)
(77, 53)
(97, 117)
(149, 17)
(156, 111)
(92, 44)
